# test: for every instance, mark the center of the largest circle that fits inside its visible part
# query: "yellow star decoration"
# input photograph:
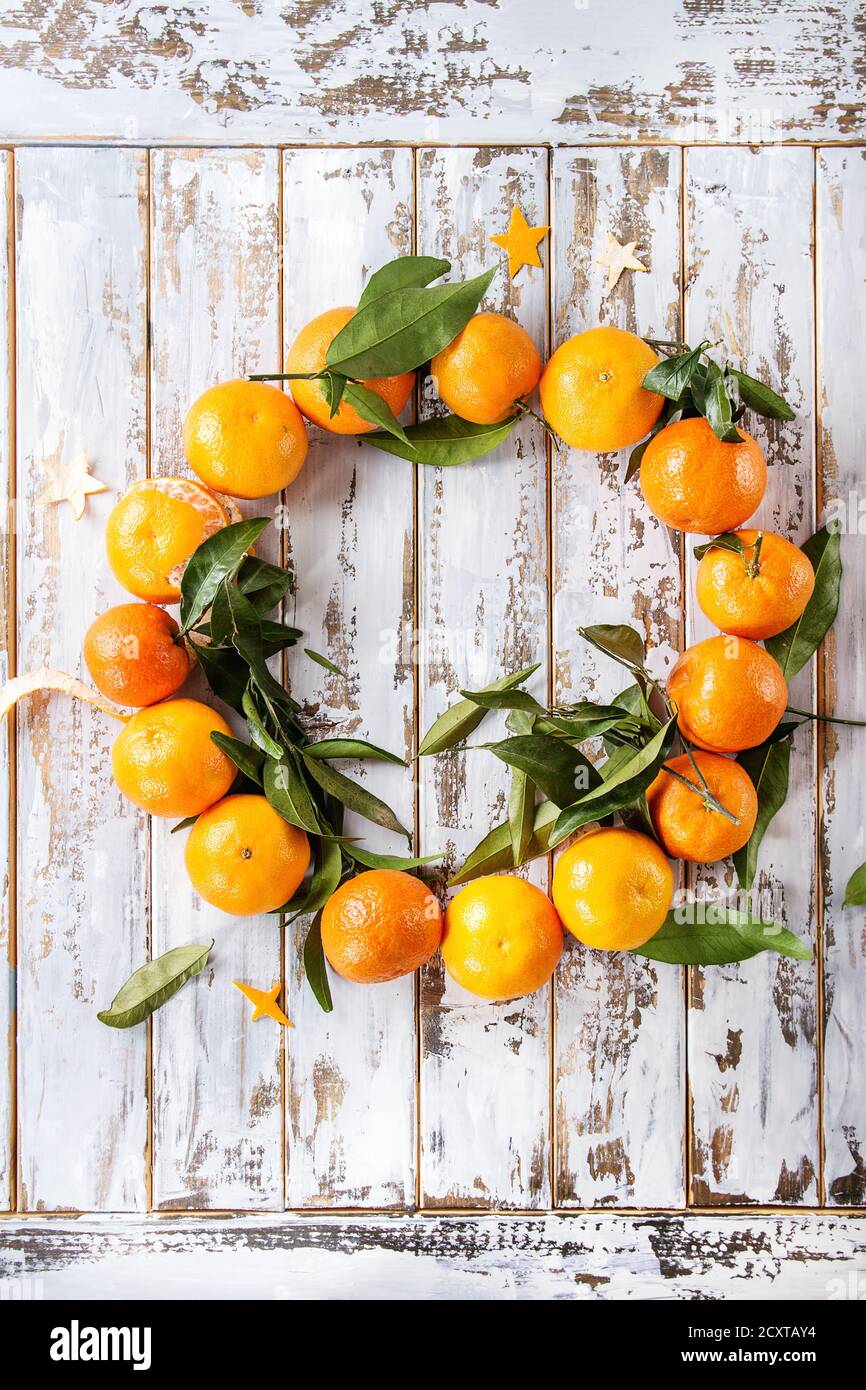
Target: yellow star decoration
(69, 482)
(618, 258)
(266, 1004)
(520, 241)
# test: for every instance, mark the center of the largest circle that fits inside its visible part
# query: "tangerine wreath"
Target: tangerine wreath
(266, 809)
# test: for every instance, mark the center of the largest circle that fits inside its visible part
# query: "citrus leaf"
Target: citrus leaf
(671, 377)
(350, 748)
(376, 411)
(521, 813)
(226, 675)
(768, 767)
(796, 646)
(496, 850)
(623, 643)
(462, 719)
(634, 770)
(289, 795)
(717, 406)
(250, 760)
(333, 388)
(388, 861)
(583, 721)
(277, 636)
(727, 936)
(353, 796)
(220, 555)
(323, 661)
(264, 584)
(728, 540)
(504, 699)
(257, 731)
(403, 273)
(552, 764)
(324, 882)
(444, 441)
(760, 398)
(315, 968)
(183, 824)
(398, 330)
(153, 984)
(855, 889)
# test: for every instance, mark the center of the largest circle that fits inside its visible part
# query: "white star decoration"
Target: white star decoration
(69, 482)
(618, 258)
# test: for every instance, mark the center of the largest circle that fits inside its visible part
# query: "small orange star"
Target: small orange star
(266, 1004)
(521, 242)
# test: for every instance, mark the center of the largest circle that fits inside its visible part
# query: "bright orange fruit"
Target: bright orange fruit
(133, 655)
(686, 824)
(591, 392)
(152, 531)
(165, 760)
(758, 594)
(307, 354)
(490, 365)
(245, 438)
(502, 937)
(693, 482)
(612, 888)
(730, 694)
(244, 858)
(379, 925)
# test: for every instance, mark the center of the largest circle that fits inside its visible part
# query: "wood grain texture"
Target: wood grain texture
(586, 1258)
(841, 208)
(620, 1020)
(351, 1073)
(467, 71)
(752, 1027)
(7, 659)
(485, 1100)
(217, 1138)
(82, 850)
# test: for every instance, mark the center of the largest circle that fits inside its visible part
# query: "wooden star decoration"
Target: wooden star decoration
(69, 482)
(265, 1001)
(521, 242)
(618, 258)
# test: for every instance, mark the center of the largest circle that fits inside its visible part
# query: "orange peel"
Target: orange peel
(47, 679)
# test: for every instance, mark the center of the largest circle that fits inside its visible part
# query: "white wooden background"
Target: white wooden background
(133, 275)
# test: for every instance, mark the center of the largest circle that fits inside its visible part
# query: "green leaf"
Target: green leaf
(728, 540)
(249, 760)
(760, 398)
(324, 882)
(183, 824)
(462, 719)
(717, 406)
(552, 764)
(353, 796)
(633, 773)
(671, 377)
(400, 329)
(264, 584)
(350, 748)
(444, 441)
(153, 984)
(277, 636)
(503, 699)
(583, 721)
(795, 647)
(388, 861)
(521, 813)
(520, 721)
(226, 675)
(323, 661)
(623, 643)
(289, 795)
(768, 767)
(403, 273)
(215, 559)
(855, 889)
(315, 968)
(258, 733)
(725, 935)
(372, 408)
(496, 850)
(333, 388)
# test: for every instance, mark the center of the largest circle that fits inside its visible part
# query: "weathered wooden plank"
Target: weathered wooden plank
(752, 1054)
(215, 313)
(695, 69)
(7, 666)
(485, 1092)
(82, 850)
(841, 209)
(351, 1073)
(620, 1020)
(577, 1257)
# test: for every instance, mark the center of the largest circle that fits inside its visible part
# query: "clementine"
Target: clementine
(730, 694)
(591, 392)
(687, 825)
(612, 888)
(379, 925)
(133, 654)
(245, 438)
(243, 858)
(165, 760)
(307, 354)
(502, 937)
(693, 482)
(757, 594)
(152, 531)
(490, 366)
